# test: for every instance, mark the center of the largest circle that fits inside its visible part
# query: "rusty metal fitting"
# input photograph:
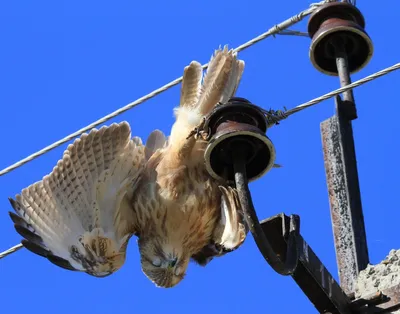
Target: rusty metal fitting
(238, 124)
(333, 21)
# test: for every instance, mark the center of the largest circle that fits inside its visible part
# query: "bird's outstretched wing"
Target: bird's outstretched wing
(79, 216)
(230, 231)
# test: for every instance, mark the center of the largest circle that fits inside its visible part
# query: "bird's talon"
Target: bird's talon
(204, 135)
(197, 131)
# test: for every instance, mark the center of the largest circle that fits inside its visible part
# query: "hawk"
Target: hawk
(109, 186)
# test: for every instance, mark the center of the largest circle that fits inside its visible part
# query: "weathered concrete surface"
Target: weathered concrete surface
(379, 277)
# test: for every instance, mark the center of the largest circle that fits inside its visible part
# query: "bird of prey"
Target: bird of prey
(108, 186)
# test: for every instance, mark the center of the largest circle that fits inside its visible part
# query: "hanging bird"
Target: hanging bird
(108, 187)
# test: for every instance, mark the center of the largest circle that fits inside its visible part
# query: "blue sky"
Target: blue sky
(64, 64)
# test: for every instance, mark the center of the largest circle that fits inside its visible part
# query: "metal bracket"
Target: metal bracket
(344, 197)
(310, 274)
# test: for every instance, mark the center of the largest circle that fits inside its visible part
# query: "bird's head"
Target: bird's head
(164, 264)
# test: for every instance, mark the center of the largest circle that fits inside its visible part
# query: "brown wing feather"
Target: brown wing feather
(156, 140)
(230, 231)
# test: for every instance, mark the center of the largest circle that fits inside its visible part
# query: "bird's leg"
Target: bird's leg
(199, 131)
(186, 149)
(196, 131)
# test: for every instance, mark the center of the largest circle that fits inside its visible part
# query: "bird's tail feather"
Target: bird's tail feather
(198, 99)
(221, 80)
(191, 85)
(220, 83)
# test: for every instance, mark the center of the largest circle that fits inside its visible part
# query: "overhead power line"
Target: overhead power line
(11, 250)
(275, 30)
(275, 116)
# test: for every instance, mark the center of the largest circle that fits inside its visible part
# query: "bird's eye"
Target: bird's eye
(156, 262)
(173, 262)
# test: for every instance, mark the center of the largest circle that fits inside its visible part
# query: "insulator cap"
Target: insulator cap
(333, 20)
(238, 123)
